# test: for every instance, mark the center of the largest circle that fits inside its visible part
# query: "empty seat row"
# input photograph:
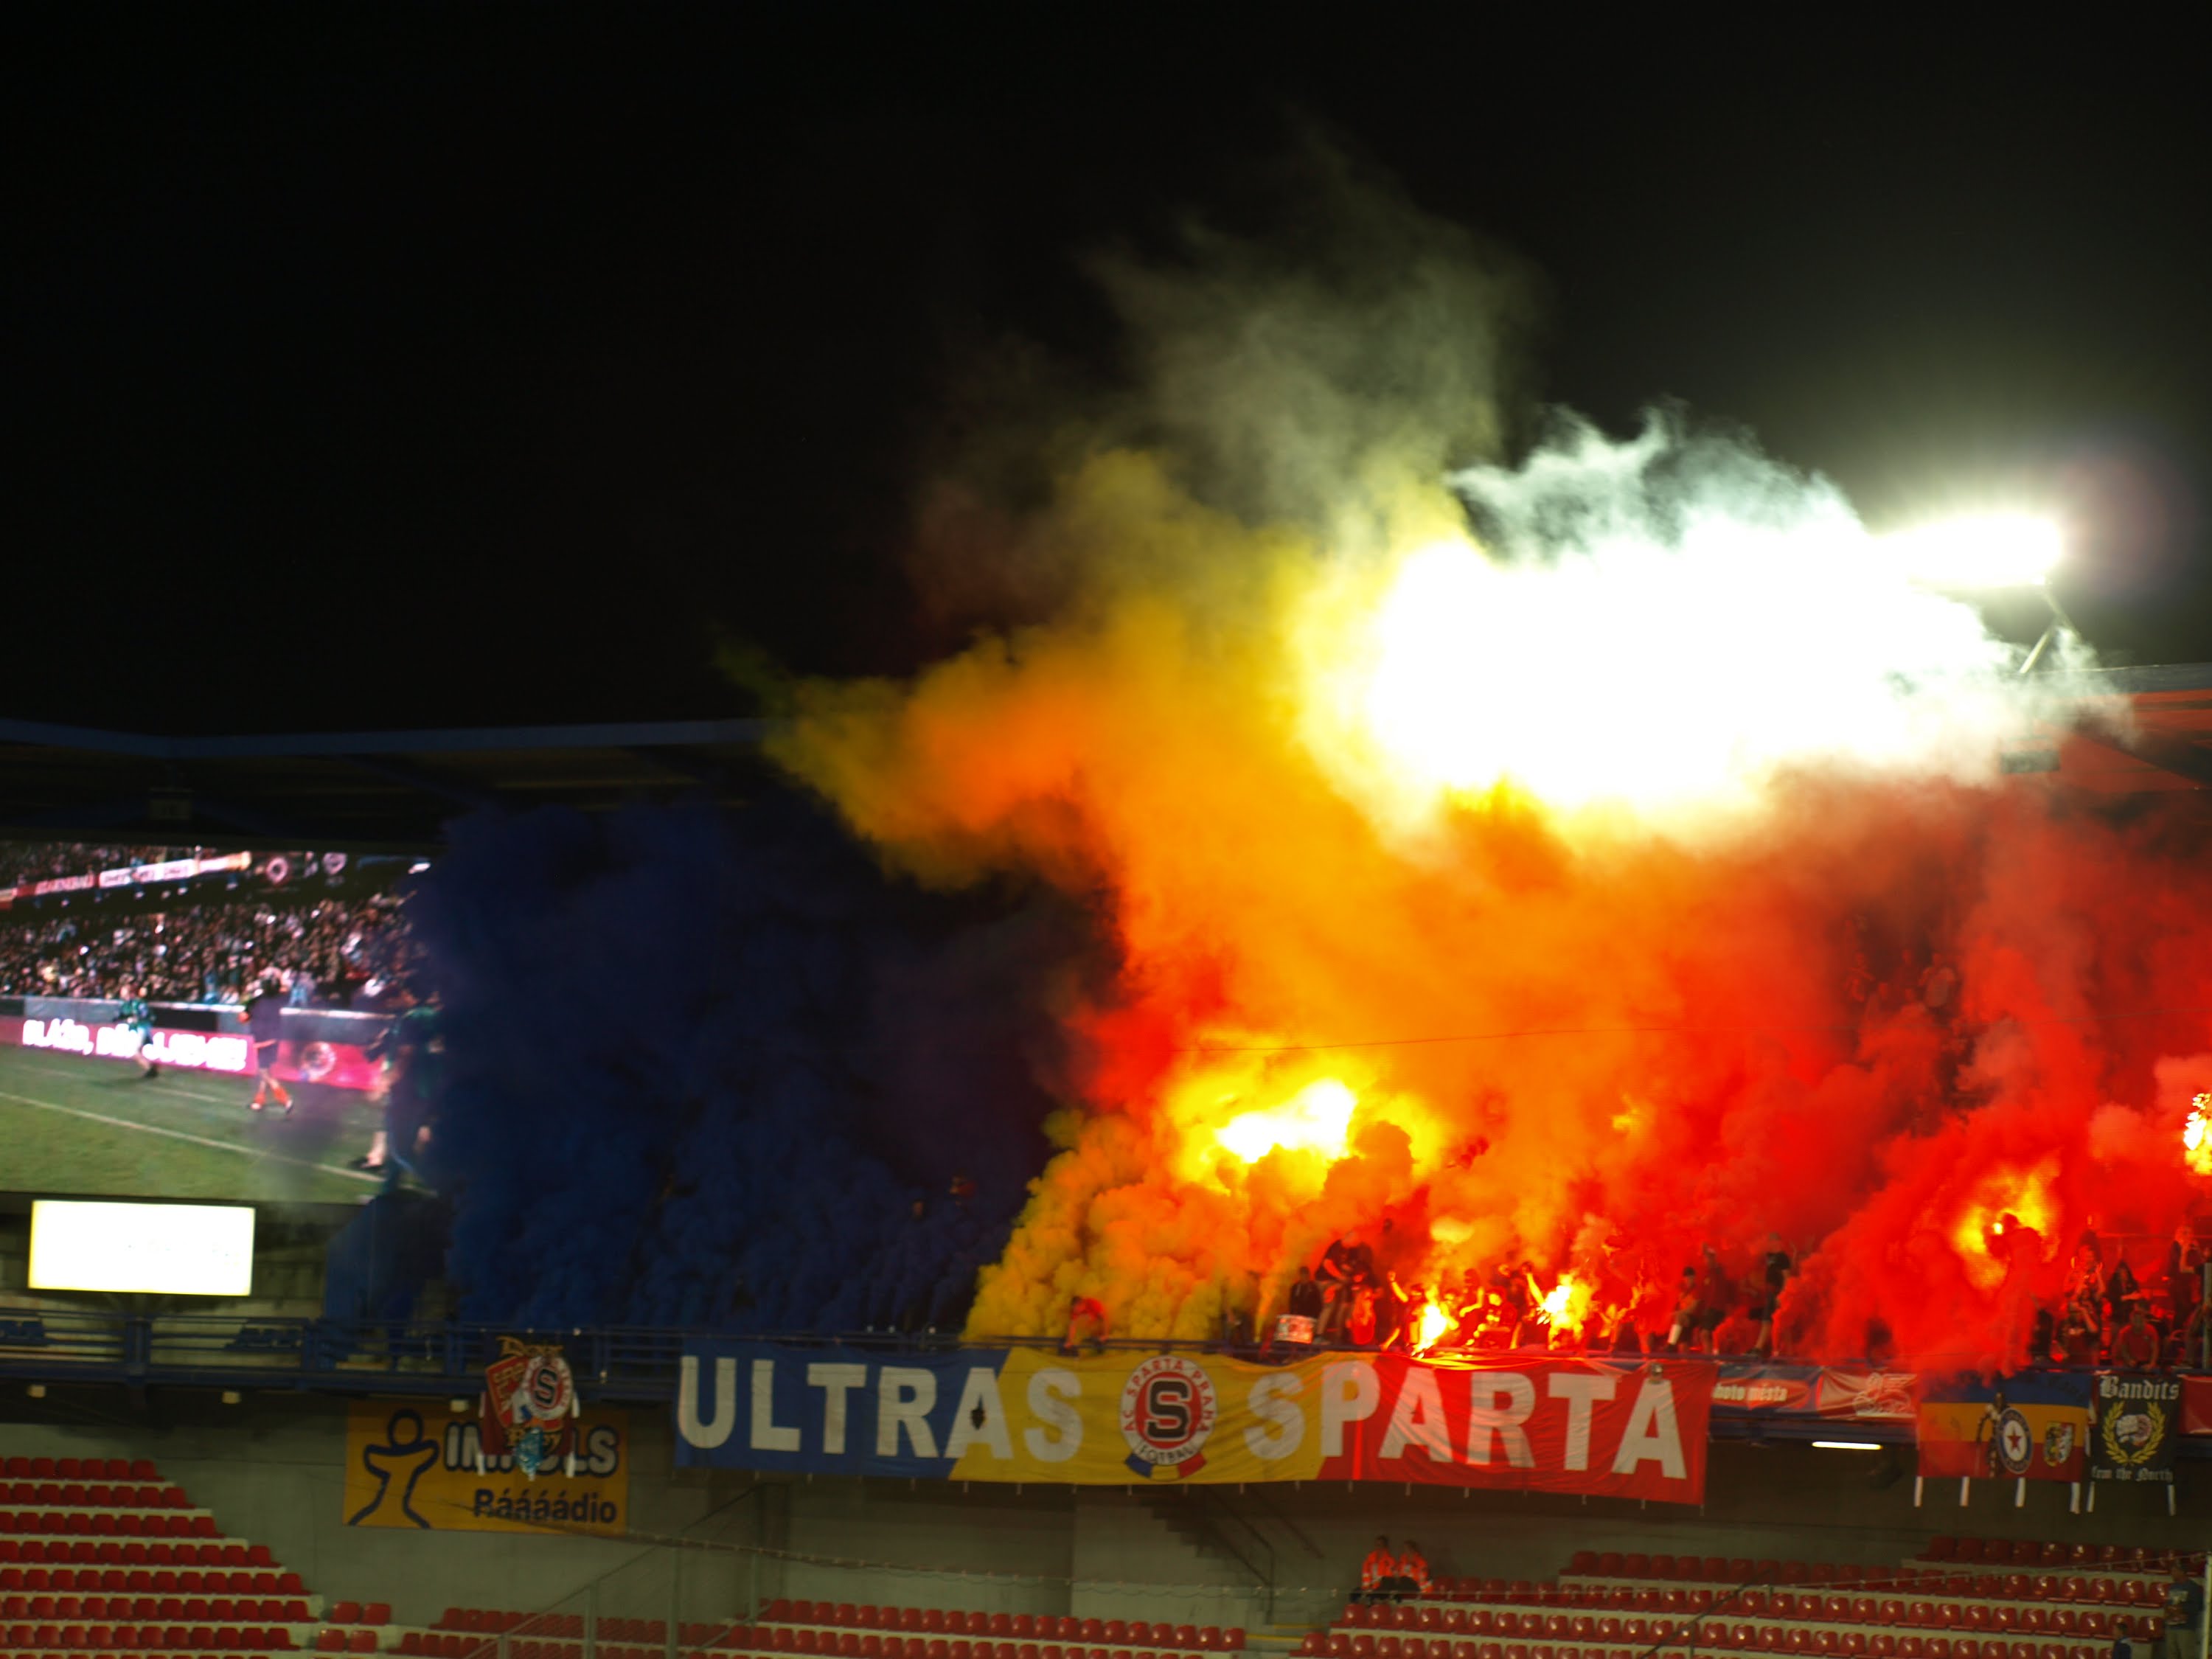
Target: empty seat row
(2040, 1552)
(138, 1608)
(439, 1644)
(76, 1495)
(1338, 1645)
(328, 1640)
(1537, 1623)
(1737, 1571)
(359, 1613)
(853, 1644)
(136, 1552)
(492, 1621)
(999, 1626)
(160, 1581)
(546, 1628)
(148, 1524)
(78, 1468)
(1831, 1602)
(168, 1638)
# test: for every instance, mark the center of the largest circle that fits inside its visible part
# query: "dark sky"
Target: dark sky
(455, 365)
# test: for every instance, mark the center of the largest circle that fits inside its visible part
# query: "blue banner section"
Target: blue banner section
(833, 1410)
(2069, 1389)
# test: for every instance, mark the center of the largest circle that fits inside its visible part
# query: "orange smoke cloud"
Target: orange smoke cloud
(1914, 1017)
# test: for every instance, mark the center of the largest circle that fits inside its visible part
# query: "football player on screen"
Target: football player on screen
(264, 1016)
(136, 1020)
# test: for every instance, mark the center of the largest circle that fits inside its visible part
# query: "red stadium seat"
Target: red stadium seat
(330, 1641)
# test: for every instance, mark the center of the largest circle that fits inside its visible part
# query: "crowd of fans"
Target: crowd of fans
(324, 950)
(2115, 1314)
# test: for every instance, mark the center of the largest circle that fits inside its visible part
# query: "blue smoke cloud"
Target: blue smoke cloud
(700, 1066)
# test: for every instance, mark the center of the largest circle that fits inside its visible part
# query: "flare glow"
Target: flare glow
(1316, 1119)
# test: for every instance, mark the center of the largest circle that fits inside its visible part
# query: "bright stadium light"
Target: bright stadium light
(1987, 550)
(1847, 1445)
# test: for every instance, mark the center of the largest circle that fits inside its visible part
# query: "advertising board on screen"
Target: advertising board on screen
(168, 1249)
(201, 1022)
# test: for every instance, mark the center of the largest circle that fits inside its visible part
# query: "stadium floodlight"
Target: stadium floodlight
(1847, 1445)
(1986, 550)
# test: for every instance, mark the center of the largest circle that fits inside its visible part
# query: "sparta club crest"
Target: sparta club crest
(1168, 1413)
(528, 1407)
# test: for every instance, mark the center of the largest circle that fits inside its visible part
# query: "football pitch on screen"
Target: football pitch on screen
(96, 1127)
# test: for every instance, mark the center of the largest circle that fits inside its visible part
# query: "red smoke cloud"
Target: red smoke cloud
(1872, 996)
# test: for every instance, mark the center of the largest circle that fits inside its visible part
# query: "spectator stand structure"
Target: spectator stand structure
(831, 1631)
(1962, 1600)
(105, 1557)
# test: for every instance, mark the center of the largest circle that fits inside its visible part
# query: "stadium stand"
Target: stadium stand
(833, 1629)
(102, 1556)
(1936, 1607)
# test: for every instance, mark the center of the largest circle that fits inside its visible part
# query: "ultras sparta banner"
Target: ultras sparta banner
(1564, 1424)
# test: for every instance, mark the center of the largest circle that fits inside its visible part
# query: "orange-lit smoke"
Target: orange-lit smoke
(1574, 902)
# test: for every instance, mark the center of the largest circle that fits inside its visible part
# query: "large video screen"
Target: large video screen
(198, 1022)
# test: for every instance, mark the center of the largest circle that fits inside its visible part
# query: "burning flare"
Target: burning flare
(1316, 1119)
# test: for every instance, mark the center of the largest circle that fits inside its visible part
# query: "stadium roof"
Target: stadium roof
(349, 788)
(398, 789)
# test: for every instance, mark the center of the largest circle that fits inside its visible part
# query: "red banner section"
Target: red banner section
(1539, 1424)
(2196, 1405)
(335, 1065)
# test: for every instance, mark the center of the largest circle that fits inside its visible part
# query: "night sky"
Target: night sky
(446, 366)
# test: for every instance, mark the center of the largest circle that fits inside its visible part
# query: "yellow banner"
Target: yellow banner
(1103, 1419)
(409, 1466)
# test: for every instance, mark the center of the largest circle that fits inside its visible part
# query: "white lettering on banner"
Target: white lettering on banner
(1340, 1406)
(1418, 1419)
(205, 1054)
(904, 1397)
(767, 1434)
(835, 1382)
(170, 870)
(708, 1434)
(1271, 1403)
(192, 1051)
(1503, 1423)
(1050, 1391)
(1580, 1390)
(1652, 1433)
(64, 1034)
(978, 1416)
